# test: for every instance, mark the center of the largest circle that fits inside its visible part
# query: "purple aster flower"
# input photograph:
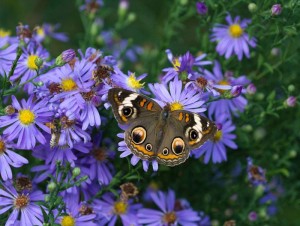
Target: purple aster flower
(134, 159)
(167, 215)
(276, 9)
(178, 97)
(226, 106)
(232, 38)
(79, 214)
(9, 158)
(201, 8)
(183, 66)
(256, 174)
(109, 209)
(27, 67)
(7, 56)
(97, 162)
(70, 83)
(23, 125)
(24, 206)
(216, 149)
(48, 30)
(129, 82)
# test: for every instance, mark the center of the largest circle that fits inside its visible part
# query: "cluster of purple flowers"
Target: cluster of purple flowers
(65, 100)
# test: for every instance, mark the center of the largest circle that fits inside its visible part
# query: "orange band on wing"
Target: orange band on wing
(169, 156)
(187, 117)
(142, 103)
(141, 148)
(180, 117)
(149, 106)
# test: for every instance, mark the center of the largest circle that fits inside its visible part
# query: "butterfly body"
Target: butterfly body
(156, 133)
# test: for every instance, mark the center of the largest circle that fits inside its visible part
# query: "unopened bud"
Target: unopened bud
(276, 9)
(76, 171)
(236, 91)
(291, 101)
(65, 57)
(251, 89)
(51, 186)
(252, 7)
(39, 62)
(9, 110)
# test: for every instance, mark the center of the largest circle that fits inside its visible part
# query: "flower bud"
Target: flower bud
(131, 17)
(247, 128)
(236, 91)
(39, 62)
(292, 154)
(47, 198)
(51, 186)
(276, 9)
(9, 110)
(259, 190)
(201, 8)
(251, 89)
(123, 7)
(252, 7)
(76, 171)
(291, 101)
(259, 133)
(65, 57)
(275, 52)
(184, 2)
(252, 216)
(291, 88)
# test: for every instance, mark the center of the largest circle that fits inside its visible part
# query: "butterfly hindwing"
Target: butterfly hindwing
(186, 131)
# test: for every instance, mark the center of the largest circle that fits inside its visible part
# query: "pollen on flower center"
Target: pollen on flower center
(176, 106)
(31, 62)
(176, 64)
(201, 82)
(120, 207)
(67, 221)
(134, 83)
(4, 33)
(218, 136)
(2, 147)
(68, 84)
(40, 31)
(26, 117)
(170, 218)
(21, 201)
(100, 154)
(235, 30)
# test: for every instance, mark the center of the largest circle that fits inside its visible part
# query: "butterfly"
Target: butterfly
(157, 133)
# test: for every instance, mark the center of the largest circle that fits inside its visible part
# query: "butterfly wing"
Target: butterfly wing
(184, 131)
(141, 115)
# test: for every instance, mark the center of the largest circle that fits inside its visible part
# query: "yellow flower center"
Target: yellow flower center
(26, 117)
(68, 84)
(21, 201)
(4, 33)
(2, 147)
(31, 62)
(176, 106)
(218, 136)
(120, 207)
(235, 30)
(176, 64)
(134, 83)
(40, 31)
(67, 221)
(169, 218)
